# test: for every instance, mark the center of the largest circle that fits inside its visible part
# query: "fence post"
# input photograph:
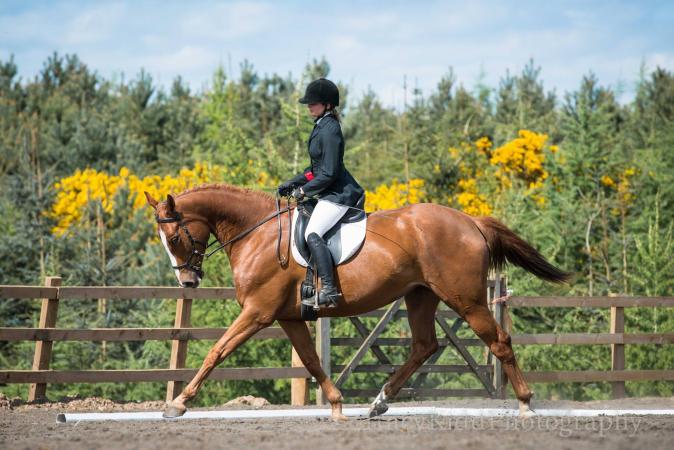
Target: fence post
(42, 356)
(323, 350)
(179, 346)
(499, 316)
(618, 350)
(299, 387)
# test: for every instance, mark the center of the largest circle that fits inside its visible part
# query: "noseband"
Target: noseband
(194, 267)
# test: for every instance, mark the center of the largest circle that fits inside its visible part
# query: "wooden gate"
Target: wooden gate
(371, 340)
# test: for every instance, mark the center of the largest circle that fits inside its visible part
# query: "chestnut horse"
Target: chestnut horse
(425, 252)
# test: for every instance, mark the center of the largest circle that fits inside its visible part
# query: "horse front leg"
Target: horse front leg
(249, 322)
(300, 338)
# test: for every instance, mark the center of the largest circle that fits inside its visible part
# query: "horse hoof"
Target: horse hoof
(339, 418)
(171, 412)
(526, 412)
(377, 409)
(336, 413)
(379, 405)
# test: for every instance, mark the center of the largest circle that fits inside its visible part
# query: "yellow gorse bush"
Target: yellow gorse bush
(395, 195)
(74, 193)
(622, 184)
(625, 188)
(518, 161)
(523, 157)
(471, 159)
(470, 200)
(607, 181)
(484, 145)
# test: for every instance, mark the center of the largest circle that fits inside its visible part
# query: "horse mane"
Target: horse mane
(225, 187)
(255, 203)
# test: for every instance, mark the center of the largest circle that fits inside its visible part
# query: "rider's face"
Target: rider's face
(316, 109)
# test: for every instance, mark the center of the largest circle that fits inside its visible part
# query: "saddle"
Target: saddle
(343, 239)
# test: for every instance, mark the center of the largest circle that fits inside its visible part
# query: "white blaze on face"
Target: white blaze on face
(171, 257)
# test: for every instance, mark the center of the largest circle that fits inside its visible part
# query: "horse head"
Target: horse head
(184, 237)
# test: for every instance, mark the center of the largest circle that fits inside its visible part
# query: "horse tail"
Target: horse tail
(504, 245)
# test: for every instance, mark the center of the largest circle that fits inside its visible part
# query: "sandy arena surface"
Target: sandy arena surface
(35, 427)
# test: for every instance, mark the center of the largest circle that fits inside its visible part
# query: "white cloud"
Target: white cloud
(375, 22)
(659, 59)
(94, 25)
(26, 28)
(152, 40)
(345, 44)
(231, 20)
(367, 44)
(187, 58)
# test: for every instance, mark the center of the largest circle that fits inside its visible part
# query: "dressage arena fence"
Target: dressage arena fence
(490, 375)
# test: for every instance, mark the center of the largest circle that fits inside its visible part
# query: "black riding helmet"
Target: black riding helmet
(321, 91)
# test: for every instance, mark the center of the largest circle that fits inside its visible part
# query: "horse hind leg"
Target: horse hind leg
(468, 298)
(421, 306)
(482, 322)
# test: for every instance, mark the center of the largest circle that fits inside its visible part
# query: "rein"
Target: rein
(281, 259)
(196, 267)
(201, 255)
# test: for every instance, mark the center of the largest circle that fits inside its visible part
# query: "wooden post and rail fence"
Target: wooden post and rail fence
(490, 374)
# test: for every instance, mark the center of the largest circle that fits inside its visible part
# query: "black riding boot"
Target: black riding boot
(320, 254)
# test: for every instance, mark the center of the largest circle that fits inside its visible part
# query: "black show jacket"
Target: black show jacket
(327, 178)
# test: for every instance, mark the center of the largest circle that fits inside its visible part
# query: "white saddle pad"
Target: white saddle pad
(343, 243)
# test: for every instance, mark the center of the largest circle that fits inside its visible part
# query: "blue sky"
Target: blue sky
(368, 44)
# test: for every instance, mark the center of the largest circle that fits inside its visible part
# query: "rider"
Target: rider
(326, 179)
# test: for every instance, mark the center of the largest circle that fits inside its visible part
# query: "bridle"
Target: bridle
(194, 267)
(201, 255)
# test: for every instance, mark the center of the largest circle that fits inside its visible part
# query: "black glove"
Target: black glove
(285, 189)
(297, 194)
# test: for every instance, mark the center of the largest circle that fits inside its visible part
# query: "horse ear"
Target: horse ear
(150, 200)
(170, 202)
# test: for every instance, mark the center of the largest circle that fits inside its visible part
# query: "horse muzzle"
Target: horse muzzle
(189, 279)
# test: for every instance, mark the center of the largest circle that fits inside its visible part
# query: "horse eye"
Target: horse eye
(175, 239)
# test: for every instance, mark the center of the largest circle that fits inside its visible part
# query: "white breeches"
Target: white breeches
(325, 216)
